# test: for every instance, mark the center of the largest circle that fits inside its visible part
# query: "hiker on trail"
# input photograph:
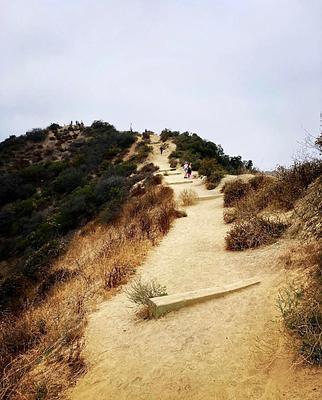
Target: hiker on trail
(161, 149)
(189, 171)
(185, 168)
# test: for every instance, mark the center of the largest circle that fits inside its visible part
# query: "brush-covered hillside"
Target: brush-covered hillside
(80, 206)
(55, 180)
(205, 156)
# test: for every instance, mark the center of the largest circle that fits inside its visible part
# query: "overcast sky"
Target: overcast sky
(245, 74)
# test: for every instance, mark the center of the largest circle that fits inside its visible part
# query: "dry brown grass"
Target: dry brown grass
(308, 212)
(234, 191)
(253, 232)
(300, 302)
(229, 215)
(188, 197)
(40, 353)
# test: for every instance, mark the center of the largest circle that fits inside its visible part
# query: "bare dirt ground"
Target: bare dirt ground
(230, 348)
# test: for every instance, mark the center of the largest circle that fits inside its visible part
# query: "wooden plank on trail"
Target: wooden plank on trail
(180, 182)
(211, 197)
(166, 169)
(161, 305)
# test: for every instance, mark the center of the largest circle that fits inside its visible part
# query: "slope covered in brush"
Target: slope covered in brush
(54, 180)
(205, 156)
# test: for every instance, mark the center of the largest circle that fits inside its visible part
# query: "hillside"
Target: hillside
(76, 224)
(59, 185)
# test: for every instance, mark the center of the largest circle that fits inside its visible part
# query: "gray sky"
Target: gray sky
(245, 74)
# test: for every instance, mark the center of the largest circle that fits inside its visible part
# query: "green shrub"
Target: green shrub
(142, 152)
(214, 178)
(77, 208)
(36, 173)
(121, 169)
(68, 180)
(24, 208)
(110, 211)
(107, 189)
(146, 136)
(36, 135)
(12, 188)
(7, 219)
(192, 148)
(149, 168)
(40, 235)
(53, 127)
(38, 263)
(208, 167)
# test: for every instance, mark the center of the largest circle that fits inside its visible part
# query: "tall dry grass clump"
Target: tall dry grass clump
(41, 348)
(300, 302)
(253, 232)
(188, 197)
(308, 213)
(235, 191)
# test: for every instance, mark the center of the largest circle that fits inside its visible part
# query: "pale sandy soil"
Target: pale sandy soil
(230, 348)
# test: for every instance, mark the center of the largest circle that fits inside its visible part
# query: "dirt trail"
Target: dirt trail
(227, 349)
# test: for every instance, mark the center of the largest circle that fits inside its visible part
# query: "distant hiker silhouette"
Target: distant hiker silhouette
(161, 149)
(185, 168)
(189, 170)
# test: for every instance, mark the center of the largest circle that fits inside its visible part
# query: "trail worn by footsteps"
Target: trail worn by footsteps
(227, 349)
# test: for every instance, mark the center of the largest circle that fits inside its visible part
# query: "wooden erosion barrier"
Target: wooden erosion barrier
(211, 197)
(180, 182)
(166, 170)
(161, 305)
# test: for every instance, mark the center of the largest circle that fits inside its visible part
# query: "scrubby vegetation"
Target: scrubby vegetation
(140, 292)
(277, 194)
(71, 228)
(300, 302)
(188, 197)
(253, 232)
(262, 208)
(206, 157)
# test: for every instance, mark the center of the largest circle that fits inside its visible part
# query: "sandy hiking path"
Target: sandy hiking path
(227, 349)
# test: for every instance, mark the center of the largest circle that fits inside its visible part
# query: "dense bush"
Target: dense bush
(234, 191)
(12, 188)
(253, 232)
(68, 180)
(38, 263)
(54, 127)
(103, 138)
(76, 209)
(142, 152)
(192, 148)
(36, 135)
(113, 187)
